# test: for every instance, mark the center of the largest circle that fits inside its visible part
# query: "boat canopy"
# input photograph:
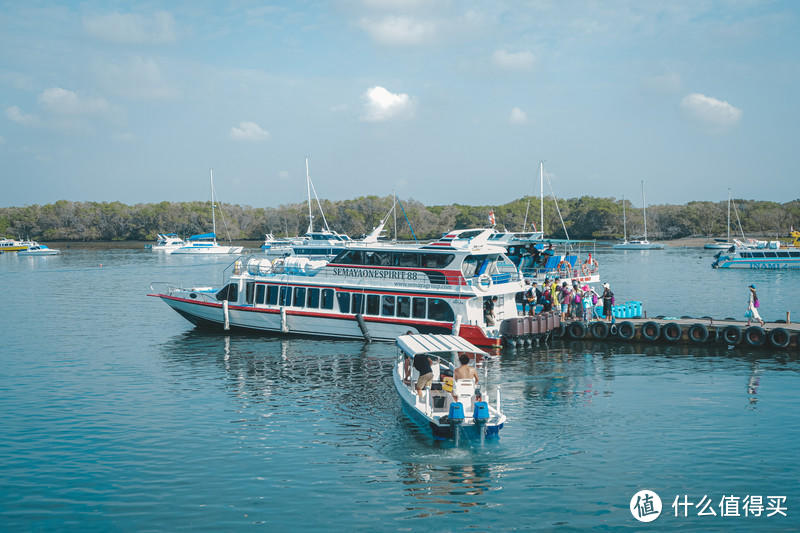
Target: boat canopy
(414, 344)
(203, 236)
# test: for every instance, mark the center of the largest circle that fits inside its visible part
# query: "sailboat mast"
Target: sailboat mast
(308, 191)
(729, 216)
(213, 218)
(624, 223)
(394, 212)
(541, 197)
(644, 212)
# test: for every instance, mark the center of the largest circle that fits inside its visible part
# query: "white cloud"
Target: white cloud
(128, 28)
(380, 105)
(518, 116)
(710, 111)
(399, 30)
(66, 102)
(16, 114)
(138, 79)
(513, 60)
(249, 131)
(394, 4)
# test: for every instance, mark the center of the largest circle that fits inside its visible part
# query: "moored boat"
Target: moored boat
(636, 244)
(448, 408)
(39, 249)
(370, 292)
(167, 242)
(11, 245)
(773, 256)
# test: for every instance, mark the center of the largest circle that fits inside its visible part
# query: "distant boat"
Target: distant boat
(167, 242)
(206, 243)
(39, 249)
(10, 245)
(722, 244)
(640, 244)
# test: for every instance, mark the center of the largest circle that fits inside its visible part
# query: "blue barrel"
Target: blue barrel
(456, 413)
(481, 411)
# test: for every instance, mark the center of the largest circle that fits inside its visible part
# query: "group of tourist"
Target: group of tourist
(571, 300)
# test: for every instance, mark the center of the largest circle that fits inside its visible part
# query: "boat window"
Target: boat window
(758, 254)
(770, 254)
(350, 257)
(327, 298)
(436, 260)
(313, 298)
(272, 294)
(783, 254)
(344, 301)
(260, 293)
(405, 259)
(746, 254)
(470, 234)
(388, 306)
(249, 292)
(229, 292)
(440, 310)
(419, 308)
(794, 254)
(475, 265)
(378, 258)
(285, 296)
(403, 306)
(299, 296)
(358, 304)
(373, 304)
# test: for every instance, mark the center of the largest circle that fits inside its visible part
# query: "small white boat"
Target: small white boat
(167, 242)
(39, 249)
(11, 245)
(206, 243)
(448, 409)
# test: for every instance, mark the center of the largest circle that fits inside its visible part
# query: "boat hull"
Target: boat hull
(269, 320)
(205, 250)
(759, 264)
(630, 246)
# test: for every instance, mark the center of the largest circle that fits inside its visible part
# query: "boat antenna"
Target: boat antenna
(394, 211)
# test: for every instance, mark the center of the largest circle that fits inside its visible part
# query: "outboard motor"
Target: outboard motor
(480, 414)
(456, 418)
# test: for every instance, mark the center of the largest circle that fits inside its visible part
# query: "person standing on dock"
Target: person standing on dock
(608, 301)
(752, 307)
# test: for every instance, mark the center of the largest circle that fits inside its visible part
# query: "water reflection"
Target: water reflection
(445, 489)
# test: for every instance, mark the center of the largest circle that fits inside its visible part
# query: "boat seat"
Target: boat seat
(464, 389)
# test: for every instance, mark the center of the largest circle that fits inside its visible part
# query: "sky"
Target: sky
(442, 101)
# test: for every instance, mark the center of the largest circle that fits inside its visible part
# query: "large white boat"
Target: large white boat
(168, 242)
(761, 255)
(206, 243)
(370, 292)
(636, 244)
(449, 408)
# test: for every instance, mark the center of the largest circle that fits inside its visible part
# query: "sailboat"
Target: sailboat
(719, 244)
(640, 244)
(206, 243)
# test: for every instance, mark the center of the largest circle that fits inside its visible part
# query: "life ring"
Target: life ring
(755, 336)
(484, 278)
(577, 330)
(731, 334)
(626, 330)
(564, 269)
(599, 330)
(671, 332)
(779, 338)
(698, 333)
(651, 331)
(589, 266)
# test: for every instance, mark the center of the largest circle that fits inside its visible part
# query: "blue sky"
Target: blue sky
(441, 100)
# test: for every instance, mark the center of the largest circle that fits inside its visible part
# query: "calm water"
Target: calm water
(117, 415)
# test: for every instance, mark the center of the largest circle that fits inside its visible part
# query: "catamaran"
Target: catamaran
(370, 292)
(206, 243)
(638, 244)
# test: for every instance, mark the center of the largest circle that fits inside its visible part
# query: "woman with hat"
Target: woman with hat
(752, 307)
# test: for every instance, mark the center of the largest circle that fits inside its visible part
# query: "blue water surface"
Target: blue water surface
(117, 414)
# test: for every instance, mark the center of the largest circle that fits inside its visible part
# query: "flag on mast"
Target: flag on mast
(491, 218)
